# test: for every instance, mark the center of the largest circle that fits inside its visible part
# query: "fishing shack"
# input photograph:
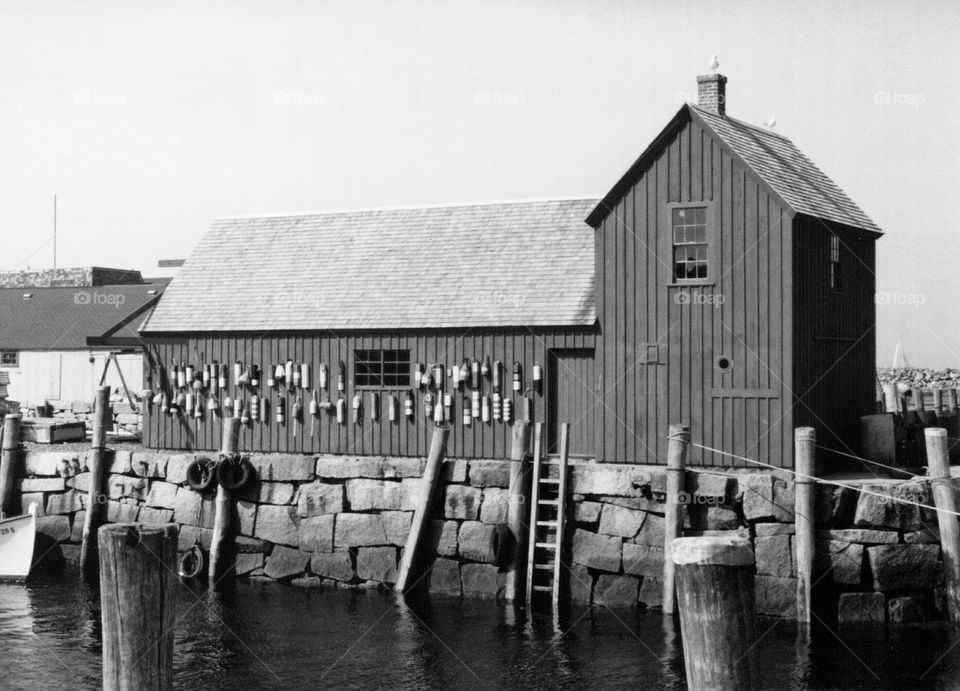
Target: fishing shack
(723, 281)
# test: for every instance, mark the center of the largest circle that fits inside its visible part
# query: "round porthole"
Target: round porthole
(723, 362)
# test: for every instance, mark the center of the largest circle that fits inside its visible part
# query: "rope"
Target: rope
(865, 460)
(833, 482)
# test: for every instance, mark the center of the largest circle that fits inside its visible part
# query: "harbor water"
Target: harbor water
(266, 635)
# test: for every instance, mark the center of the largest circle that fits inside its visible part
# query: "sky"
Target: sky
(149, 119)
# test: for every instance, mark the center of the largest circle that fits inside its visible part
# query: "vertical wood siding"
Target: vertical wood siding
(656, 358)
(403, 437)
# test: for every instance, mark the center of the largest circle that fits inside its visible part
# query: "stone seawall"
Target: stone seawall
(338, 520)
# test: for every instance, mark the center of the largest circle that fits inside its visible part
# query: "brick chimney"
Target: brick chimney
(712, 93)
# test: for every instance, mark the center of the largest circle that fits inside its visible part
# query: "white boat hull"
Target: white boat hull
(17, 535)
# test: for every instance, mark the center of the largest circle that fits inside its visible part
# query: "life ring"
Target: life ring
(201, 474)
(503, 544)
(191, 563)
(233, 472)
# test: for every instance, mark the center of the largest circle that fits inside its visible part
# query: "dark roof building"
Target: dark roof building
(724, 281)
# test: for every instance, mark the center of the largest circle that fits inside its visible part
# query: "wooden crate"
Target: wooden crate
(50, 430)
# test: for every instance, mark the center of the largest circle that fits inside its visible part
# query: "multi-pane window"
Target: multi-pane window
(9, 358)
(835, 276)
(381, 368)
(689, 243)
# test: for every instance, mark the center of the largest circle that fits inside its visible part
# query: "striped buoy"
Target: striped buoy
(475, 404)
(497, 406)
(254, 375)
(428, 405)
(475, 374)
(508, 411)
(341, 377)
(408, 405)
(464, 372)
(297, 377)
(537, 377)
(281, 411)
(255, 407)
(188, 374)
(467, 417)
(517, 376)
(485, 409)
(222, 379)
(448, 406)
(438, 372)
(279, 372)
(485, 367)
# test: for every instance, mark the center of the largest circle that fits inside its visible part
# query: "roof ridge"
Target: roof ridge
(593, 198)
(744, 123)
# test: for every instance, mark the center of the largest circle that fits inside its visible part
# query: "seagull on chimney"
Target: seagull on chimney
(771, 122)
(714, 63)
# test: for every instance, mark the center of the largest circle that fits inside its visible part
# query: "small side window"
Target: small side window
(836, 277)
(9, 358)
(689, 227)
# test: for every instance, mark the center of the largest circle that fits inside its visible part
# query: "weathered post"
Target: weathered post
(679, 440)
(8, 465)
(890, 399)
(517, 509)
(804, 443)
(221, 562)
(138, 589)
(96, 496)
(944, 497)
(424, 511)
(715, 597)
(937, 400)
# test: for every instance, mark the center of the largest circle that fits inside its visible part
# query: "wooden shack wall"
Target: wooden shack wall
(403, 438)
(835, 335)
(658, 358)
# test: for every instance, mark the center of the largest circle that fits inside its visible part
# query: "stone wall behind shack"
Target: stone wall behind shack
(340, 520)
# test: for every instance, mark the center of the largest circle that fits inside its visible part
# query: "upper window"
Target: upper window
(9, 358)
(836, 281)
(689, 243)
(382, 368)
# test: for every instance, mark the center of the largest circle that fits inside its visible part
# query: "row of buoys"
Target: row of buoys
(472, 374)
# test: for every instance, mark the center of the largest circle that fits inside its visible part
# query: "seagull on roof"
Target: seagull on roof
(714, 63)
(771, 122)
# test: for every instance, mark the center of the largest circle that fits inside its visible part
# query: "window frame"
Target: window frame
(712, 233)
(401, 373)
(16, 358)
(835, 249)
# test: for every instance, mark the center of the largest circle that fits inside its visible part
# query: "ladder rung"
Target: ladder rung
(549, 502)
(544, 588)
(552, 524)
(549, 481)
(543, 567)
(547, 545)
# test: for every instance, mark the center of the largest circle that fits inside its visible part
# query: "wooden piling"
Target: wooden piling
(517, 509)
(679, 440)
(97, 495)
(221, 553)
(421, 523)
(716, 602)
(8, 465)
(804, 442)
(944, 497)
(891, 401)
(138, 588)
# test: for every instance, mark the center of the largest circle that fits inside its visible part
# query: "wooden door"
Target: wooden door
(573, 397)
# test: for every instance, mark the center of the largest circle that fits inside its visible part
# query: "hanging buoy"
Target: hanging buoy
(497, 406)
(438, 414)
(464, 372)
(271, 376)
(314, 406)
(181, 401)
(281, 411)
(254, 375)
(305, 375)
(181, 377)
(158, 399)
(438, 373)
(475, 374)
(245, 415)
(475, 404)
(341, 377)
(485, 367)
(288, 373)
(537, 377)
(297, 414)
(245, 376)
(323, 377)
(357, 407)
(164, 404)
(485, 409)
(237, 407)
(228, 406)
(222, 379)
(508, 411)
(237, 372)
(375, 406)
(197, 382)
(448, 406)
(264, 410)
(467, 417)
(341, 411)
(188, 374)
(417, 376)
(255, 407)
(205, 376)
(455, 376)
(173, 374)
(408, 404)
(428, 405)
(198, 408)
(528, 409)
(213, 405)
(517, 376)
(278, 374)
(393, 402)
(497, 373)
(297, 376)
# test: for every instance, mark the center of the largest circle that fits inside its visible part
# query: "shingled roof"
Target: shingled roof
(773, 158)
(503, 264)
(64, 318)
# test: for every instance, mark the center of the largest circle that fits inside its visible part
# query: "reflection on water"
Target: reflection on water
(270, 636)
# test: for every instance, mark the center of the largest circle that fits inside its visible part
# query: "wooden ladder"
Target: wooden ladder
(547, 518)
